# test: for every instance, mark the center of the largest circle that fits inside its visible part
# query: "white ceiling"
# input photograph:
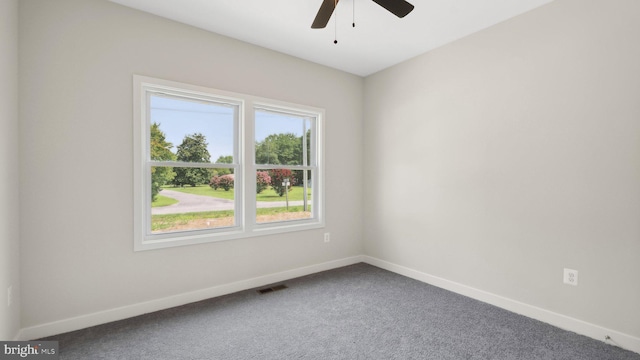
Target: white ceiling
(378, 41)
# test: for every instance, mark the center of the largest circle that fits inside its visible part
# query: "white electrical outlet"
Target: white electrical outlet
(571, 277)
(327, 237)
(9, 295)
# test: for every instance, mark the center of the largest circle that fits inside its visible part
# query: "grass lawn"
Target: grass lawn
(267, 195)
(163, 201)
(170, 221)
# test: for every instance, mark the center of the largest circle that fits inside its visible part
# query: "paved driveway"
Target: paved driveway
(197, 203)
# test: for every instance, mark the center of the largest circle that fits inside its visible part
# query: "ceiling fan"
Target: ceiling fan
(399, 8)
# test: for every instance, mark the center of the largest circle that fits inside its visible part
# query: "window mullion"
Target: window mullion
(249, 208)
(193, 164)
(240, 157)
(291, 167)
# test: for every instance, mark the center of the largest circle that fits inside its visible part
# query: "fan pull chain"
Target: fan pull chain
(354, 14)
(335, 22)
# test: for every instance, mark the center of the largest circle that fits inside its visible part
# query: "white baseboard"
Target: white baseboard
(102, 317)
(564, 322)
(609, 336)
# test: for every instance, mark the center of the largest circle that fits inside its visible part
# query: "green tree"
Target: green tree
(267, 152)
(193, 149)
(280, 149)
(160, 149)
(283, 149)
(223, 159)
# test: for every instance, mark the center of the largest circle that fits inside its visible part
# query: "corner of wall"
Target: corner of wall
(9, 167)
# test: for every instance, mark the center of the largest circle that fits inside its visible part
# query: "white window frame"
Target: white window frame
(244, 166)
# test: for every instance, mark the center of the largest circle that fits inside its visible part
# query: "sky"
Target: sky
(181, 117)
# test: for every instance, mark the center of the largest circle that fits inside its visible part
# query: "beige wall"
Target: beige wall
(77, 62)
(500, 159)
(9, 204)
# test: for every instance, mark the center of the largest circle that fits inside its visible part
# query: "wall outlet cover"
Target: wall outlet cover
(570, 277)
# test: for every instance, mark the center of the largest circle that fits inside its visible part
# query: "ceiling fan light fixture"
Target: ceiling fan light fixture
(399, 8)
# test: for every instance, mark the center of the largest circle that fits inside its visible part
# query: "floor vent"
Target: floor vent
(272, 289)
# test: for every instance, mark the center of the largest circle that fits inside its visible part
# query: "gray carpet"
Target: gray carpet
(355, 312)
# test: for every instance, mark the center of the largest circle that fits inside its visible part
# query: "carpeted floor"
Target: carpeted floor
(355, 312)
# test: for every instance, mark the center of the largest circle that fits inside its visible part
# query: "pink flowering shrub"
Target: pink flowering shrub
(225, 182)
(278, 176)
(262, 181)
(215, 182)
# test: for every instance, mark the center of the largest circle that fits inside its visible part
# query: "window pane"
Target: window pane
(181, 208)
(279, 139)
(191, 131)
(277, 202)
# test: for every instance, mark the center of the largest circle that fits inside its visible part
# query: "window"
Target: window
(284, 156)
(212, 165)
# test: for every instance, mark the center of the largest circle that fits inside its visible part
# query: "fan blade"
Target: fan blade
(399, 8)
(324, 14)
